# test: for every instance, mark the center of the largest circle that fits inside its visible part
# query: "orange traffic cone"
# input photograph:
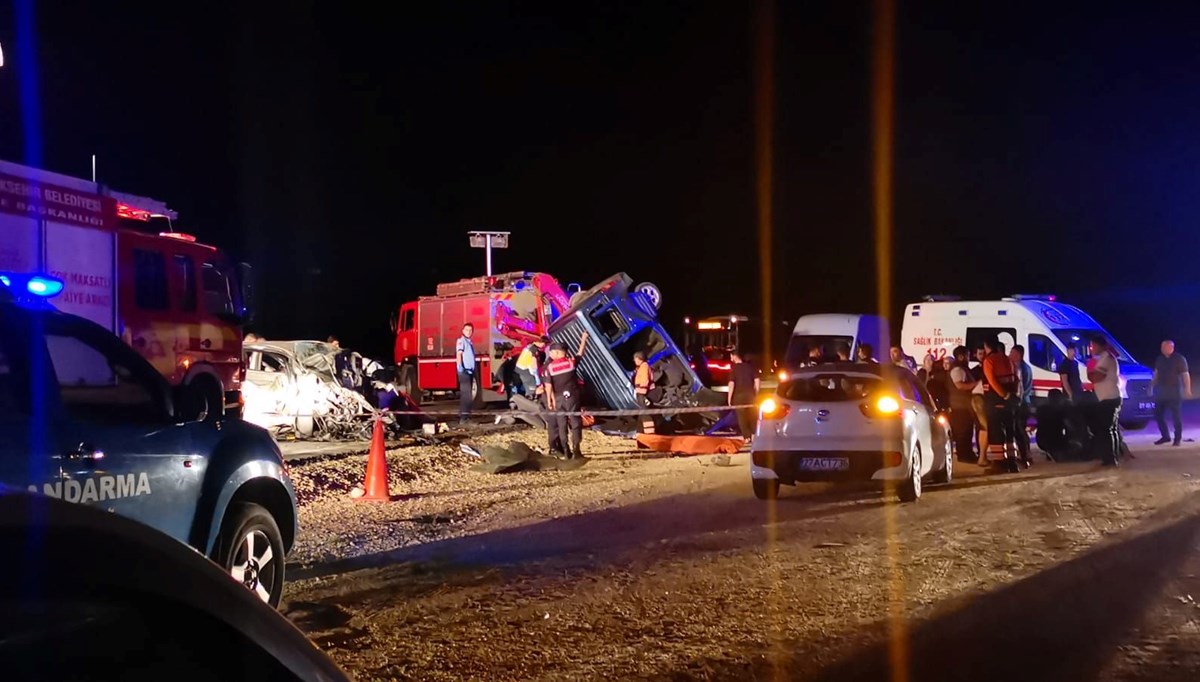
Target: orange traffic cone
(376, 484)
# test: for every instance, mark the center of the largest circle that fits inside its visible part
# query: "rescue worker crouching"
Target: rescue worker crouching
(564, 395)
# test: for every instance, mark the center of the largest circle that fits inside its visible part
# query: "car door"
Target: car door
(919, 418)
(939, 433)
(116, 442)
(25, 412)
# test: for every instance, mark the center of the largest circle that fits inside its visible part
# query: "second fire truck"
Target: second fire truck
(507, 311)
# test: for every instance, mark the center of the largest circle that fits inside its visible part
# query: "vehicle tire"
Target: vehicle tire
(476, 393)
(652, 292)
(408, 382)
(250, 549)
(766, 488)
(209, 396)
(910, 488)
(1137, 425)
(946, 473)
(305, 426)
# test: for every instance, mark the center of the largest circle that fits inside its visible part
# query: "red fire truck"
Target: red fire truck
(179, 303)
(508, 311)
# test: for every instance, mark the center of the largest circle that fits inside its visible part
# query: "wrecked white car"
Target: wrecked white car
(308, 389)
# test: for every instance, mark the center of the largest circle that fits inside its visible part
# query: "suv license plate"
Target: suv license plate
(824, 464)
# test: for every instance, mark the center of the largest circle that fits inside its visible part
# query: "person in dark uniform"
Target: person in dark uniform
(554, 442)
(565, 389)
(743, 390)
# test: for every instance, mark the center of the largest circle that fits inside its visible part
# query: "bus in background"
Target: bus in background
(715, 338)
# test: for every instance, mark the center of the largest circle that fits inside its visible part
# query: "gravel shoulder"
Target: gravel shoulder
(668, 568)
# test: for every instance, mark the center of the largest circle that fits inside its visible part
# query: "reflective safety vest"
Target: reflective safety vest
(643, 379)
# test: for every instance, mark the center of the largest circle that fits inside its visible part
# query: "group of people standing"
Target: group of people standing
(550, 370)
(990, 403)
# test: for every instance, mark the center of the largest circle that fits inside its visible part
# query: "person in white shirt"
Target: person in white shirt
(962, 412)
(1103, 371)
(979, 405)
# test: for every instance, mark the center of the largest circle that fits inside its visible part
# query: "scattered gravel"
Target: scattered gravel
(434, 493)
(635, 568)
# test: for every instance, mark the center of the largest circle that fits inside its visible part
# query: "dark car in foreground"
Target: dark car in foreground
(88, 595)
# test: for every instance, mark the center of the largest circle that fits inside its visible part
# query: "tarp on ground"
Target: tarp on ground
(690, 445)
(520, 457)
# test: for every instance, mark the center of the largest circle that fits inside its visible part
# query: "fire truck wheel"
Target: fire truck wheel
(209, 396)
(408, 382)
(476, 393)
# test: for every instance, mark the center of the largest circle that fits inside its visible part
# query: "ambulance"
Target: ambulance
(1040, 323)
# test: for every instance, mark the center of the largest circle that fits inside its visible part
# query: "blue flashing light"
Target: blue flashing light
(45, 287)
(31, 287)
(519, 285)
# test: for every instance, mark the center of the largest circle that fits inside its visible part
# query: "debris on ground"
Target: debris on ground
(520, 457)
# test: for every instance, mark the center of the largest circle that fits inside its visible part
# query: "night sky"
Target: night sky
(345, 153)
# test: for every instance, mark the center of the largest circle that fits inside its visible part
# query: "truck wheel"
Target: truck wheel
(250, 549)
(652, 292)
(476, 393)
(408, 382)
(209, 396)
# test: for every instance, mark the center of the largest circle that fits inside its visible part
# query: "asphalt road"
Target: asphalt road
(669, 569)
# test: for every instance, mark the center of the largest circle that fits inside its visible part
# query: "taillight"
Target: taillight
(882, 406)
(772, 409)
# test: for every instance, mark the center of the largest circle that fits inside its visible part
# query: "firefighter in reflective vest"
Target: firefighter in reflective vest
(564, 395)
(643, 383)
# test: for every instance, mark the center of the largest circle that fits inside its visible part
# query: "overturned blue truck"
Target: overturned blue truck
(622, 319)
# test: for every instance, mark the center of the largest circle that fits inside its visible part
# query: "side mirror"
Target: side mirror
(188, 404)
(246, 289)
(394, 321)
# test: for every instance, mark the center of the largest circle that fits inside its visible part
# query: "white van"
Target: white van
(1040, 323)
(828, 330)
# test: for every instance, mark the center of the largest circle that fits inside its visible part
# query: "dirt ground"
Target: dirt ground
(668, 568)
